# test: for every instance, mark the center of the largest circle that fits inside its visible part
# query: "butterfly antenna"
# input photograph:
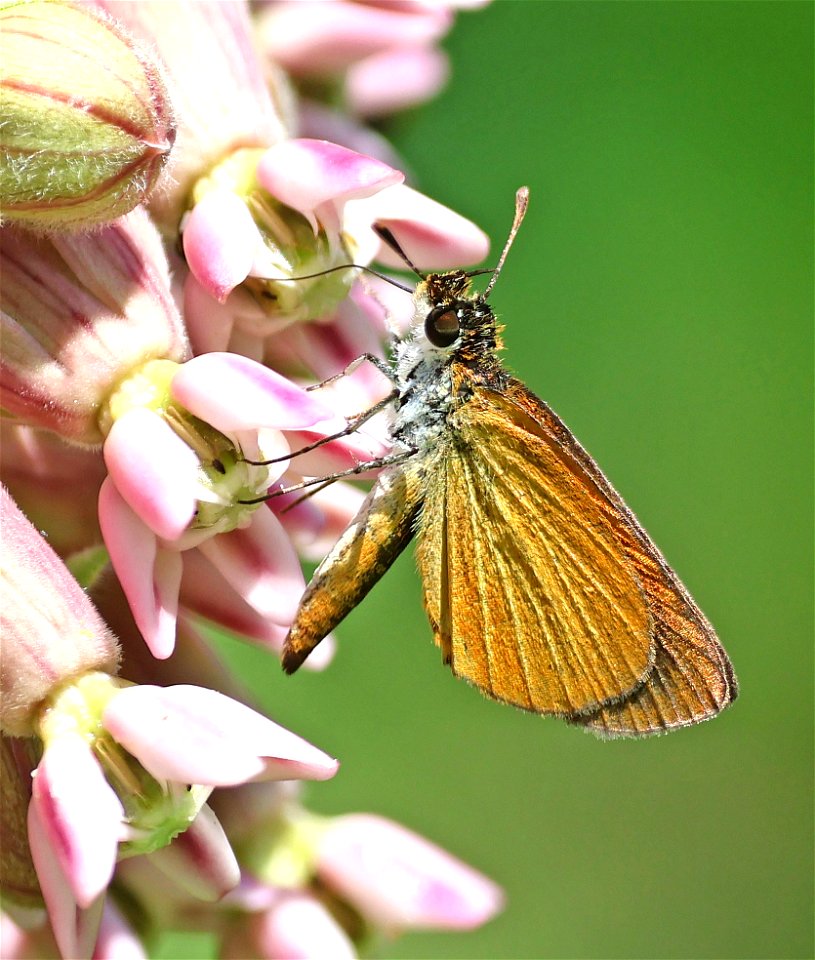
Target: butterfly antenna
(521, 203)
(342, 266)
(393, 243)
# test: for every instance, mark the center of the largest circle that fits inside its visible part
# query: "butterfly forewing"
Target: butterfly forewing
(692, 678)
(529, 591)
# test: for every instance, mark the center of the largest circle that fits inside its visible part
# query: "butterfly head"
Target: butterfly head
(454, 318)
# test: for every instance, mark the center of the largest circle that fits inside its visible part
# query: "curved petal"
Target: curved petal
(209, 323)
(154, 470)
(56, 891)
(259, 562)
(343, 32)
(192, 735)
(398, 879)
(200, 860)
(299, 927)
(80, 814)
(313, 175)
(150, 577)
(432, 235)
(75, 930)
(235, 393)
(117, 940)
(395, 79)
(220, 240)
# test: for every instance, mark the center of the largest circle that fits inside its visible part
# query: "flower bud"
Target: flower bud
(51, 631)
(88, 123)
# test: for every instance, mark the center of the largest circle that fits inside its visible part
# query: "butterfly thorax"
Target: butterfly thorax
(451, 346)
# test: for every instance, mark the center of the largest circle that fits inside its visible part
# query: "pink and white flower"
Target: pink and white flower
(118, 759)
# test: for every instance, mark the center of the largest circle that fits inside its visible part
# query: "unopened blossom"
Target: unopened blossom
(219, 90)
(87, 120)
(51, 632)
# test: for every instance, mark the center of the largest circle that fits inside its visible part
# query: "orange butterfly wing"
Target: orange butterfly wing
(542, 588)
(528, 589)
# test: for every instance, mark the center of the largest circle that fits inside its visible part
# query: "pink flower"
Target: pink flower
(184, 481)
(393, 878)
(118, 760)
(400, 880)
(167, 738)
(296, 181)
(313, 205)
(374, 57)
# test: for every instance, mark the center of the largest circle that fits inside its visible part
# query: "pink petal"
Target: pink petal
(200, 860)
(300, 928)
(395, 79)
(192, 735)
(310, 175)
(234, 393)
(432, 235)
(220, 241)
(398, 879)
(117, 940)
(209, 323)
(259, 562)
(154, 470)
(343, 32)
(150, 577)
(316, 524)
(56, 891)
(80, 814)
(205, 592)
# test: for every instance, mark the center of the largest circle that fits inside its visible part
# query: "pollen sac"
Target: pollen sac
(88, 124)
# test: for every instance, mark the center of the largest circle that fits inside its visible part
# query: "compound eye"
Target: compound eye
(442, 326)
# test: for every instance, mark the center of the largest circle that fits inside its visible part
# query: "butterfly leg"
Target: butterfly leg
(381, 365)
(320, 483)
(354, 423)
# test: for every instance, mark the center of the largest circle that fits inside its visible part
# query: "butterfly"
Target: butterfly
(541, 588)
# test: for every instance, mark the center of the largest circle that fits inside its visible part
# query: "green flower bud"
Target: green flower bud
(87, 120)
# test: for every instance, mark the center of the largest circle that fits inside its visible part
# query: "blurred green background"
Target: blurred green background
(659, 297)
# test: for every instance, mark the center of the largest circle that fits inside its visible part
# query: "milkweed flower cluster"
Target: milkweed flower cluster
(168, 171)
